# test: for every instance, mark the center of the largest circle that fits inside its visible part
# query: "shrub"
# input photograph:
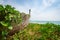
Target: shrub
(8, 16)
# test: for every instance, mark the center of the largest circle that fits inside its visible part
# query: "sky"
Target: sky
(41, 10)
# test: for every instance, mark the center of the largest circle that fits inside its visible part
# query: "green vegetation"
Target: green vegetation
(8, 16)
(48, 31)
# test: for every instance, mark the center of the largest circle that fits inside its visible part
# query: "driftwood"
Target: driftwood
(19, 26)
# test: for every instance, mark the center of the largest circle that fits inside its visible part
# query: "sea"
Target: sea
(43, 22)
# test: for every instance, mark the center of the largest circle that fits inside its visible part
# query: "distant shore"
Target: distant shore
(43, 22)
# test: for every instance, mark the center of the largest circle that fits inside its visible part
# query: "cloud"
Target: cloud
(47, 3)
(39, 9)
(1, 1)
(51, 15)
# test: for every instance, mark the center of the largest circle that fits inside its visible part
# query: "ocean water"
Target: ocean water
(43, 22)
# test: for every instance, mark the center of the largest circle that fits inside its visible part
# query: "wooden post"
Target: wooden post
(29, 11)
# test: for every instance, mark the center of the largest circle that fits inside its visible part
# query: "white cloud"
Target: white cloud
(52, 15)
(1, 1)
(47, 3)
(37, 11)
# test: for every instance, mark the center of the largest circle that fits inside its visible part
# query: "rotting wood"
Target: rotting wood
(25, 18)
(19, 26)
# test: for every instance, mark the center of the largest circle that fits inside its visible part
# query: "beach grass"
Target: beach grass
(34, 31)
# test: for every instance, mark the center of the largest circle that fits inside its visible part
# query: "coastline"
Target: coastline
(44, 22)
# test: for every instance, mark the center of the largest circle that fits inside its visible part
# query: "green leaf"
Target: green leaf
(10, 27)
(4, 32)
(4, 24)
(1, 8)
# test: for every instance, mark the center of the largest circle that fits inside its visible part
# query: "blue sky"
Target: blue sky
(41, 10)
